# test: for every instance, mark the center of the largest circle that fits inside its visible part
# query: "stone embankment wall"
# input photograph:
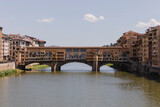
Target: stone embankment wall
(139, 69)
(144, 69)
(6, 66)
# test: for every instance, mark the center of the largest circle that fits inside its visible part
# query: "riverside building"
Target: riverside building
(153, 34)
(19, 42)
(128, 40)
(1, 44)
(143, 48)
(4, 47)
(9, 44)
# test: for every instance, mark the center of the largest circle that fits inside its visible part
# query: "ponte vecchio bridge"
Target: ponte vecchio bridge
(55, 57)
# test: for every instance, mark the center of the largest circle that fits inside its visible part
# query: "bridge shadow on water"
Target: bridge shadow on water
(80, 67)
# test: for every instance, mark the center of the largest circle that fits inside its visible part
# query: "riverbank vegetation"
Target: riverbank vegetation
(10, 72)
(109, 64)
(38, 66)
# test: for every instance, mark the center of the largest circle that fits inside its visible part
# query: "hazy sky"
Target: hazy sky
(78, 22)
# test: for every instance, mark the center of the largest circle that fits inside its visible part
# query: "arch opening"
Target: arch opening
(36, 66)
(76, 66)
(107, 67)
(31, 64)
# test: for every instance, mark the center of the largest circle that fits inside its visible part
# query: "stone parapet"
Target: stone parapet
(6, 66)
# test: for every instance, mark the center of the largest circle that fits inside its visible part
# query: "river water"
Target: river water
(77, 86)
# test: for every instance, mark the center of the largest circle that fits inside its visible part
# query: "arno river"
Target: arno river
(77, 86)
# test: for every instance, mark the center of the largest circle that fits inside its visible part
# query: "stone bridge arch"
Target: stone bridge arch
(23, 67)
(116, 65)
(56, 65)
(84, 62)
(80, 62)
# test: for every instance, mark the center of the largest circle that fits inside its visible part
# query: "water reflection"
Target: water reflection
(150, 88)
(79, 88)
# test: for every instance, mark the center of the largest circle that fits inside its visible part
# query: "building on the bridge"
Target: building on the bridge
(58, 56)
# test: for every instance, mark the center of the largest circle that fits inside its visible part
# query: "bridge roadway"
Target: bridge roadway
(56, 57)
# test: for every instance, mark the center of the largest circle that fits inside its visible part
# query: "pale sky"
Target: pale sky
(78, 22)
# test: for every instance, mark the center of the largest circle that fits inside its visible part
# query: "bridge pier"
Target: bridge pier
(55, 67)
(95, 67)
(22, 67)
